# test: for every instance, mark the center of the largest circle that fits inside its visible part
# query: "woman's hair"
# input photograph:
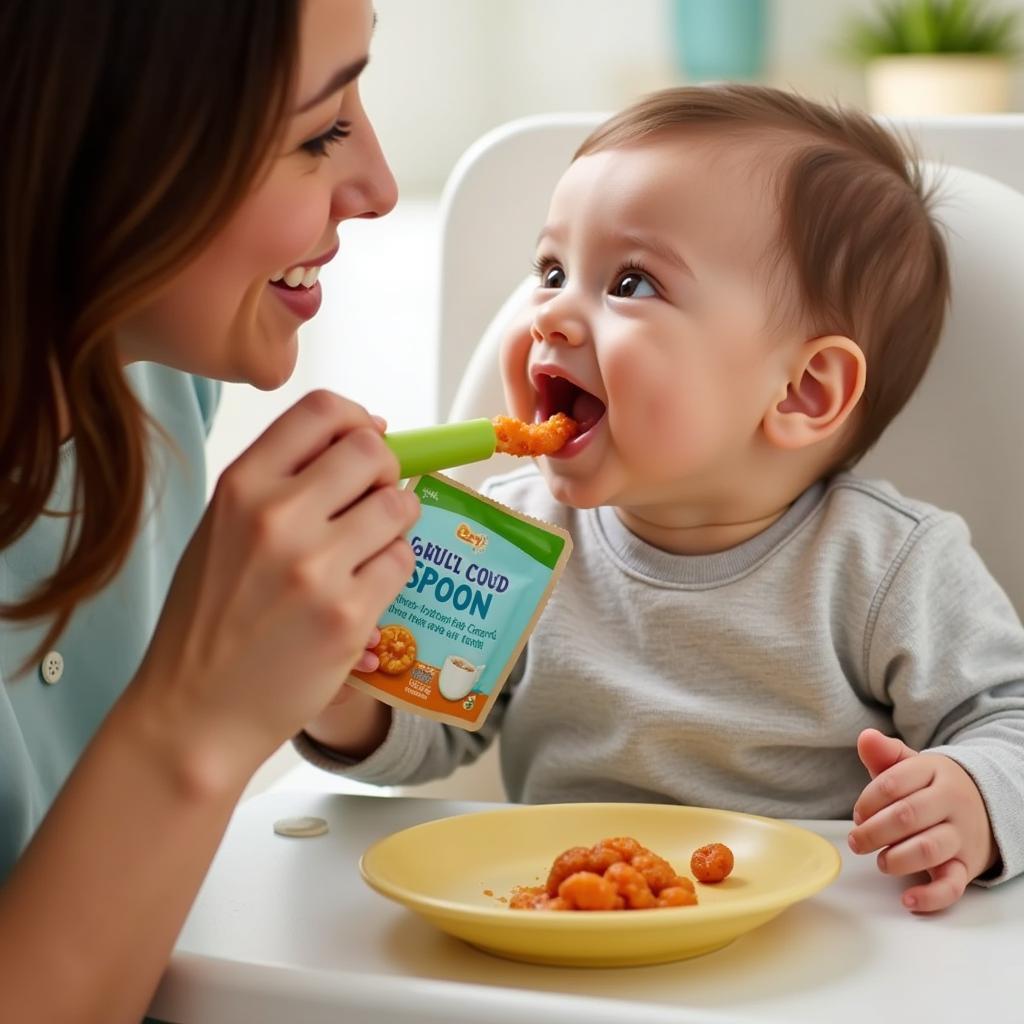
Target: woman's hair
(132, 130)
(855, 226)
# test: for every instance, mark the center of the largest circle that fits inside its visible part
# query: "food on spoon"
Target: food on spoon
(614, 874)
(516, 437)
(711, 863)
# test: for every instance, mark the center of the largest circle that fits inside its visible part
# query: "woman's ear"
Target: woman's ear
(824, 388)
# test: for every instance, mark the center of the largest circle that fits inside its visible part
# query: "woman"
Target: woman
(174, 172)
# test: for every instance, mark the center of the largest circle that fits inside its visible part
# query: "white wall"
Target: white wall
(444, 71)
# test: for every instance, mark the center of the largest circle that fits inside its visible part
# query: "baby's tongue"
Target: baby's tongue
(587, 409)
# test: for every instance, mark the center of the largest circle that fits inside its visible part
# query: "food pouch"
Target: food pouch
(452, 635)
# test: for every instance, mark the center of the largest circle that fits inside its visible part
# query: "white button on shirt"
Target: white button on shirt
(52, 667)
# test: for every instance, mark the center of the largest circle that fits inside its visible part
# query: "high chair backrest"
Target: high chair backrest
(958, 442)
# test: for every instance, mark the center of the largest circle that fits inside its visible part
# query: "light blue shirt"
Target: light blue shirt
(44, 727)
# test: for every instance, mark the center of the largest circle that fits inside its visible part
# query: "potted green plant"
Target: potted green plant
(936, 56)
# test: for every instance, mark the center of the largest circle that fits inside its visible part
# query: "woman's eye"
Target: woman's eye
(322, 143)
(633, 286)
(552, 277)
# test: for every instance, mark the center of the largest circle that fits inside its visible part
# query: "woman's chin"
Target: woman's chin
(269, 374)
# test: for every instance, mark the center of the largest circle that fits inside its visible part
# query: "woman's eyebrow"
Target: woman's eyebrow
(338, 80)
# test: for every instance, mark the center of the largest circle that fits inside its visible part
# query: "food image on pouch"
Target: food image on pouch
(396, 650)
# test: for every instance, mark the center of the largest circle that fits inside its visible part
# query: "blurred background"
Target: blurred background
(445, 72)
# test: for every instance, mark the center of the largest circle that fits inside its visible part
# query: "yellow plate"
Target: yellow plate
(442, 868)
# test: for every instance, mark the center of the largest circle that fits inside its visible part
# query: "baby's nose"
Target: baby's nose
(561, 327)
(554, 337)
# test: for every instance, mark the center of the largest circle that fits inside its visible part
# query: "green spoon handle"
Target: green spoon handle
(429, 449)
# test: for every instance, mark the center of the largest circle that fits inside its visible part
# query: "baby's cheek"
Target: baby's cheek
(645, 404)
(514, 362)
(660, 429)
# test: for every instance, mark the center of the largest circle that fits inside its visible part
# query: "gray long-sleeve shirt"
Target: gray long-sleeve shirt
(742, 679)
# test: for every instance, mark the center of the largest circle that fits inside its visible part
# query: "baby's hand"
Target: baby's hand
(924, 812)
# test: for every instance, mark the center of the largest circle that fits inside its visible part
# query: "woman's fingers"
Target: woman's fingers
(368, 662)
(384, 575)
(343, 473)
(298, 436)
(370, 526)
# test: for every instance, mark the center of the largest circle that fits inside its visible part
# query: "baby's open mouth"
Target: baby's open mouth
(557, 394)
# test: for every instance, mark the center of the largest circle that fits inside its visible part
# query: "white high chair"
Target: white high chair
(956, 444)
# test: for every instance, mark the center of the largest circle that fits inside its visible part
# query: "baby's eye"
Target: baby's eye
(551, 276)
(633, 286)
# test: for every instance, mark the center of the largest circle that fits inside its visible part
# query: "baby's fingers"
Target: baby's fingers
(893, 784)
(947, 885)
(921, 852)
(906, 817)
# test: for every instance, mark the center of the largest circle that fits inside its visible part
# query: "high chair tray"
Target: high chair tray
(285, 929)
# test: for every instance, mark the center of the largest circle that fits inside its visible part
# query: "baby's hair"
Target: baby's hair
(855, 225)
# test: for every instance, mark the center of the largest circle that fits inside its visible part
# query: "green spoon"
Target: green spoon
(429, 449)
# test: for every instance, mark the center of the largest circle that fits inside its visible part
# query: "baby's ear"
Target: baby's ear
(825, 385)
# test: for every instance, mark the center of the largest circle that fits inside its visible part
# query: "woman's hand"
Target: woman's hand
(274, 600)
(368, 660)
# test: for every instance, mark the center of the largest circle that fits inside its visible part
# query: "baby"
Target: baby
(737, 291)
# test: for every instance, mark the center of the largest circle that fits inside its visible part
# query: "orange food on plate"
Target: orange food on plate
(614, 874)
(711, 863)
(396, 650)
(631, 886)
(586, 890)
(518, 438)
(678, 895)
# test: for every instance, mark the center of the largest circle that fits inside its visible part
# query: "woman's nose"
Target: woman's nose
(369, 188)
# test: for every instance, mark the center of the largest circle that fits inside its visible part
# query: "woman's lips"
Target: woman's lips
(298, 287)
(302, 302)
